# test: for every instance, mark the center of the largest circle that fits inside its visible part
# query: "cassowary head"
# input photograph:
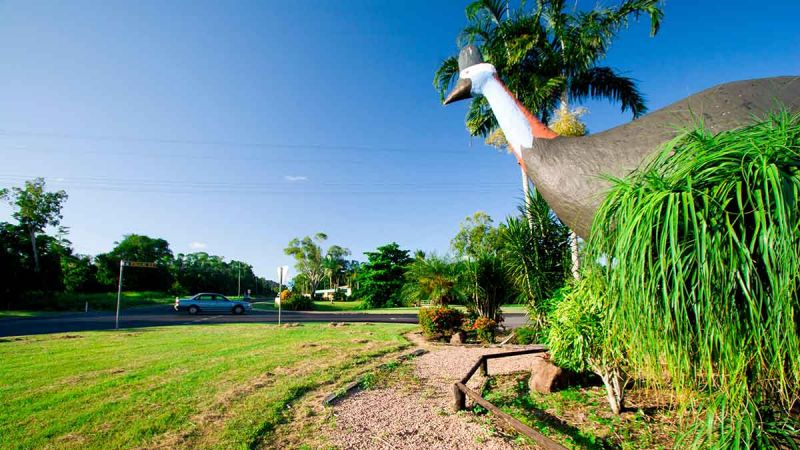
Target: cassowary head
(472, 76)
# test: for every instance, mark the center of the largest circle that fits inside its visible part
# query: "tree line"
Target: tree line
(34, 263)
(523, 260)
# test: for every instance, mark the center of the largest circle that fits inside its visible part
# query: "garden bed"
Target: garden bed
(579, 417)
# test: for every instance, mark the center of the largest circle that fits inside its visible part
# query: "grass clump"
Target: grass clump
(703, 262)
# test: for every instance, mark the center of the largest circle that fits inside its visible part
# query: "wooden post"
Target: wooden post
(484, 367)
(459, 399)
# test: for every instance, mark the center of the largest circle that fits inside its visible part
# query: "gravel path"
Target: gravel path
(397, 418)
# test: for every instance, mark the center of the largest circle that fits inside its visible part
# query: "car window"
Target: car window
(203, 298)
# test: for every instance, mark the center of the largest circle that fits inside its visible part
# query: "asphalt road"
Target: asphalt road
(165, 315)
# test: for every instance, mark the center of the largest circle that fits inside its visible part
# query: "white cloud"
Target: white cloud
(197, 245)
(293, 178)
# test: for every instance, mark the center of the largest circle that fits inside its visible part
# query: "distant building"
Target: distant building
(327, 294)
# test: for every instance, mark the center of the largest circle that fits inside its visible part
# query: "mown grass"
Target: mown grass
(355, 306)
(15, 314)
(216, 386)
(100, 301)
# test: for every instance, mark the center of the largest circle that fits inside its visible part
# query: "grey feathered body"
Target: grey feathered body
(568, 172)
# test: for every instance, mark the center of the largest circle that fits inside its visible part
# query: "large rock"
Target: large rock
(545, 376)
(459, 337)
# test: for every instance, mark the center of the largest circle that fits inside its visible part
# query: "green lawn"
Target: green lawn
(221, 386)
(12, 314)
(354, 307)
(70, 301)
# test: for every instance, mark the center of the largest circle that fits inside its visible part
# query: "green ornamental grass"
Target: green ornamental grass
(702, 251)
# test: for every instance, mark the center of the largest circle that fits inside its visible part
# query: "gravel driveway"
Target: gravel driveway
(422, 418)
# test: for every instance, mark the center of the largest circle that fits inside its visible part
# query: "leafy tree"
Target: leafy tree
(36, 209)
(548, 56)
(312, 263)
(381, 278)
(435, 279)
(79, 273)
(201, 272)
(17, 271)
(137, 247)
(335, 264)
(475, 236)
(535, 250)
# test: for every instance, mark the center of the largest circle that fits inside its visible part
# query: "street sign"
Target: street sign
(150, 265)
(283, 273)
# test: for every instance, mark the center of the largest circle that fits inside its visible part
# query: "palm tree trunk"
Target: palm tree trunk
(573, 238)
(526, 191)
(35, 250)
(576, 260)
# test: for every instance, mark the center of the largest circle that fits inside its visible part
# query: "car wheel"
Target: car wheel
(238, 309)
(194, 309)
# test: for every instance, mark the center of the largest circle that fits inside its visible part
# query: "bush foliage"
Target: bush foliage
(296, 302)
(704, 245)
(439, 321)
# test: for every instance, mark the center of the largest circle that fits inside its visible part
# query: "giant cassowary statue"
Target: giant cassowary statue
(570, 172)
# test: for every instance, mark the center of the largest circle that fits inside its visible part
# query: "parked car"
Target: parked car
(210, 302)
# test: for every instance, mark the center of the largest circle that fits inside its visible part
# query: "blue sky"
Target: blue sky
(232, 127)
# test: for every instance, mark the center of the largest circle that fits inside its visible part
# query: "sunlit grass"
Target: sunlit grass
(199, 386)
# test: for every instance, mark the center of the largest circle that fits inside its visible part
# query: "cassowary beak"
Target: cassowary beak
(462, 91)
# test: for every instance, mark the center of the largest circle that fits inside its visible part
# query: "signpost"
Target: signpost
(122, 264)
(283, 273)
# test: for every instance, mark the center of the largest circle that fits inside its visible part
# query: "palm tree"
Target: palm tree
(535, 254)
(548, 57)
(333, 265)
(435, 279)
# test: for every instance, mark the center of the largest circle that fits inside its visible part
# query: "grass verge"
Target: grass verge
(216, 386)
(13, 314)
(101, 301)
(355, 305)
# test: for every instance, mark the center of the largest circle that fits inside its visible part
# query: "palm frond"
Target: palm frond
(603, 82)
(446, 76)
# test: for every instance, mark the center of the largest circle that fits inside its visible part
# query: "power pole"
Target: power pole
(239, 283)
(119, 294)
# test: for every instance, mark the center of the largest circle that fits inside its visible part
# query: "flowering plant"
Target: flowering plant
(439, 321)
(485, 328)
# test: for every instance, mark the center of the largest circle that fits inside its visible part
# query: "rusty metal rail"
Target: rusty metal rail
(461, 392)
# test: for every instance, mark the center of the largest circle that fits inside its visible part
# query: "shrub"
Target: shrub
(296, 302)
(439, 321)
(339, 296)
(488, 285)
(705, 279)
(579, 337)
(530, 335)
(485, 329)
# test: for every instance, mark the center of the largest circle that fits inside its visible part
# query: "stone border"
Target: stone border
(334, 397)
